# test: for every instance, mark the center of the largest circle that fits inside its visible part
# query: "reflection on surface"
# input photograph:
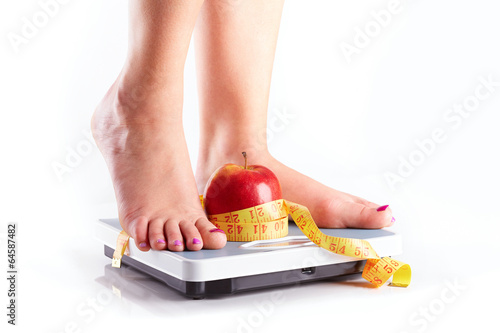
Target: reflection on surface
(131, 285)
(140, 294)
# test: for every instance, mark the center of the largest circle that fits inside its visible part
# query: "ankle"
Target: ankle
(129, 103)
(231, 152)
(147, 98)
(215, 155)
(123, 109)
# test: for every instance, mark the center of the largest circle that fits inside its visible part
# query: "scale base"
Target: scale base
(199, 290)
(241, 266)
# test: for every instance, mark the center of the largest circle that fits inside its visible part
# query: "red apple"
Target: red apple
(233, 187)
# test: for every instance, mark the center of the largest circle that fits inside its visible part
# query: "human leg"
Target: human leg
(235, 45)
(138, 128)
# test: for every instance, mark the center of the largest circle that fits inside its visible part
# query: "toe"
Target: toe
(138, 230)
(191, 235)
(356, 215)
(213, 238)
(174, 236)
(156, 234)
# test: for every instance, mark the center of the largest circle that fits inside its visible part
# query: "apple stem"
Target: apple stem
(245, 156)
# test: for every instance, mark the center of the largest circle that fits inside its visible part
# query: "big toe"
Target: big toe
(213, 238)
(138, 230)
(361, 215)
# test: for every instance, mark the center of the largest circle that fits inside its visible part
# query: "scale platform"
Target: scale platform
(243, 266)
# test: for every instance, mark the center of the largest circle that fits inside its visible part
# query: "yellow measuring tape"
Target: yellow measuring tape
(121, 249)
(270, 221)
(266, 221)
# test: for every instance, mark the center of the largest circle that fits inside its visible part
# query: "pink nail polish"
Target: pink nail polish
(177, 243)
(196, 241)
(217, 230)
(162, 241)
(393, 219)
(382, 208)
(143, 244)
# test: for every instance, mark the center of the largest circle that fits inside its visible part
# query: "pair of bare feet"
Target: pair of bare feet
(138, 124)
(158, 195)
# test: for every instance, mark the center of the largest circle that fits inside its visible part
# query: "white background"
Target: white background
(353, 122)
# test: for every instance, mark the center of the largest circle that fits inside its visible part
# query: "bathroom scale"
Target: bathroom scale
(244, 266)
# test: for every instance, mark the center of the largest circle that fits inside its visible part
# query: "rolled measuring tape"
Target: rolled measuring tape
(270, 221)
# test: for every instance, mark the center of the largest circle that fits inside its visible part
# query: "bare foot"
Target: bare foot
(330, 208)
(143, 144)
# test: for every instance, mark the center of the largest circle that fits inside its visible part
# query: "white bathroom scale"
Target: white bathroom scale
(243, 266)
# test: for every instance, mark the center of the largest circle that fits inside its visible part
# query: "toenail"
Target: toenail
(143, 244)
(393, 219)
(196, 241)
(161, 241)
(217, 230)
(382, 208)
(177, 243)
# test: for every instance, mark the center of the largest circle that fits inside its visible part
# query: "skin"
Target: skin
(138, 124)
(138, 128)
(235, 46)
